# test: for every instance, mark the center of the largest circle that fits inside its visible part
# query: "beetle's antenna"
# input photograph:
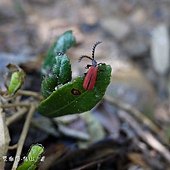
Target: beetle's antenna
(94, 47)
(84, 56)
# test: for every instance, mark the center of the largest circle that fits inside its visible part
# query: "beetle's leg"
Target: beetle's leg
(88, 65)
(100, 63)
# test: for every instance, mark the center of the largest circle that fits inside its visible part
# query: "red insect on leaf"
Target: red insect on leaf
(91, 76)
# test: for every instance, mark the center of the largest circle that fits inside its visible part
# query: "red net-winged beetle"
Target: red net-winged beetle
(91, 75)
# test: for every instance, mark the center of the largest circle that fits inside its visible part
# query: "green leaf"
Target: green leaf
(61, 74)
(33, 158)
(72, 98)
(48, 85)
(62, 44)
(62, 69)
(16, 80)
(57, 68)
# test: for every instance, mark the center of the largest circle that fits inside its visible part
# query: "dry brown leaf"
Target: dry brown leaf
(137, 159)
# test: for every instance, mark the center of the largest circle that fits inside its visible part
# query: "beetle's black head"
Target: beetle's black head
(94, 63)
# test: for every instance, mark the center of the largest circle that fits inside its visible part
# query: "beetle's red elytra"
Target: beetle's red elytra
(91, 75)
(90, 78)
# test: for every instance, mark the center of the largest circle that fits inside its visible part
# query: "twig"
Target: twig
(146, 136)
(4, 138)
(23, 136)
(30, 93)
(133, 111)
(16, 116)
(14, 105)
(93, 163)
(12, 147)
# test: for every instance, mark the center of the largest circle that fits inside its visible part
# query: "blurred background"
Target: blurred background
(135, 42)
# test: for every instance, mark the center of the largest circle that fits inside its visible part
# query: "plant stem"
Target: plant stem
(23, 136)
(14, 105)
(15, 116)
(12, 147)
(29, 93)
